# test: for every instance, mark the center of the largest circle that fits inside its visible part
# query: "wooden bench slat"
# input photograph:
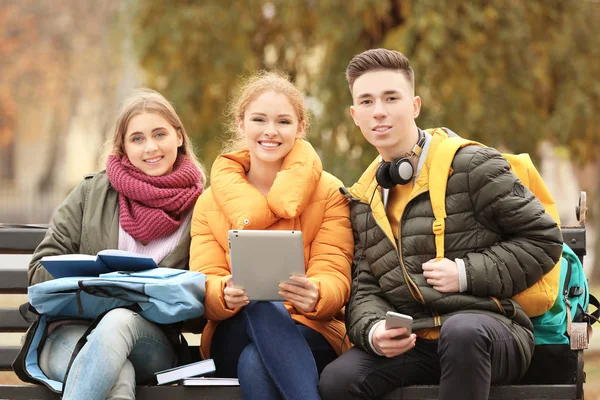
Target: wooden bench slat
(7, 356)
(513, 392)
(12, 321)
(22, 392)
(20, 239)
(180, 392)
(214, 393)
(14, 280)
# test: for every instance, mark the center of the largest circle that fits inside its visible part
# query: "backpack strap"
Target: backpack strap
(27, 310)
(438, 180)
(595, 316)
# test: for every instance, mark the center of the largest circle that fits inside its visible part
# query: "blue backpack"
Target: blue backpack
(161, 295)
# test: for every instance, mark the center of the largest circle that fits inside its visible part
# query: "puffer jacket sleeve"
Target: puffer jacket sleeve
(367, 304)
(331, 256)
(209, 257)
(531, 241)
(64, 234)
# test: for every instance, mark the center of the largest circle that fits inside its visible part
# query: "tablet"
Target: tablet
(260, 260)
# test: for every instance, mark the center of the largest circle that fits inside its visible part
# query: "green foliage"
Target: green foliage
(505, 72)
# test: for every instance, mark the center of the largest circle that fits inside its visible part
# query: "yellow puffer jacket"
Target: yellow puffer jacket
(303, 197)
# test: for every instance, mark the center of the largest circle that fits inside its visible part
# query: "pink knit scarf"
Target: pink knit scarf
(151, 207)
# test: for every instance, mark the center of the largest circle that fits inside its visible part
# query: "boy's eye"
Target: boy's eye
(392, 98)
(365, 102)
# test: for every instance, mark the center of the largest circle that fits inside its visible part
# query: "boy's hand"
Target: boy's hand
(384, 342)
(442, 275)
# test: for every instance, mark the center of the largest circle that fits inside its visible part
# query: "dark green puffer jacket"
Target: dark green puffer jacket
(494, 223)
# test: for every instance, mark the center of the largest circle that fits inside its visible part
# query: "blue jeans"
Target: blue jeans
(123, 349)
(272, 356)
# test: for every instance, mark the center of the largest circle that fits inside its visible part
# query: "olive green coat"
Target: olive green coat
(88, 222)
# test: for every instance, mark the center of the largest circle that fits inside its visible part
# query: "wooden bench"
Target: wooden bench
(18, 242)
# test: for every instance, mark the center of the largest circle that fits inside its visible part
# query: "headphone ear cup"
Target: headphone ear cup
(383, 175)
(401, 171)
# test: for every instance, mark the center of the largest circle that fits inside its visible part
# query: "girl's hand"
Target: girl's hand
(303, 295)
(234, 297)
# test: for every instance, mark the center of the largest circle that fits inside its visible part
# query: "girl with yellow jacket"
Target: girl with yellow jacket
(274, 181)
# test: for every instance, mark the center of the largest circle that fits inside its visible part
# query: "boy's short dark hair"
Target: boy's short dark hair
(376, 60)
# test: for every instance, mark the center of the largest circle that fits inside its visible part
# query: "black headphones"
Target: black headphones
(399, 171)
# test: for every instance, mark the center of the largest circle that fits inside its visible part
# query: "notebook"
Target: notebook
(260, 260)
(204, 381)
(204, 367)
(105, 261)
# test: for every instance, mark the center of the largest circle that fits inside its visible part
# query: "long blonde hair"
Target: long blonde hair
(251, 88)
(146, 100)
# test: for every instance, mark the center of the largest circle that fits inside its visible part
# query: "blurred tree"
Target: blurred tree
(7, 138)
(49, 51)
(507, 73)
(195, 52)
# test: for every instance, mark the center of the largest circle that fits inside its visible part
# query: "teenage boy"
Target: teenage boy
(467, 332)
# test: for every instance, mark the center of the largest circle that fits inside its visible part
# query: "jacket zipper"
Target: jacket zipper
(437, 320)
(412, 286)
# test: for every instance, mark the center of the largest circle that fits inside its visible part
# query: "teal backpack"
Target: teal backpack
(571, 305)
(553, 360)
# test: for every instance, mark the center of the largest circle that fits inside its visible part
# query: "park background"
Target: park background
(520, 76)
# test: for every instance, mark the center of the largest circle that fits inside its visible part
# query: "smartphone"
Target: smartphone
(397, 320)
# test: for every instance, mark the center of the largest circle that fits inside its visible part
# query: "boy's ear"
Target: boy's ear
(416, 106)
(352, 113)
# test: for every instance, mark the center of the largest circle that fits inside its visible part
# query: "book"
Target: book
(105, 261)
(204, 381)
(204, 367)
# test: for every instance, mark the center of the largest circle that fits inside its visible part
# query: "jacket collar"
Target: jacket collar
(364, 189)
(245, 207)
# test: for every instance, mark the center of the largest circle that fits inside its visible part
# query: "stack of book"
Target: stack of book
(205, 381)
(194, 375)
